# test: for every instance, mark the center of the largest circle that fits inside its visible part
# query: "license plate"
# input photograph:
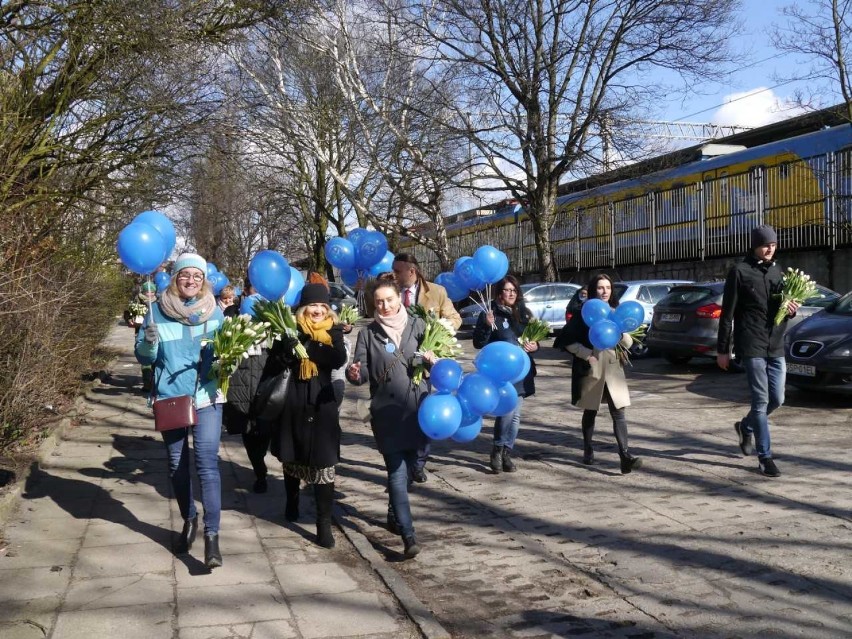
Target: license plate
(670, 317)
(802, 369)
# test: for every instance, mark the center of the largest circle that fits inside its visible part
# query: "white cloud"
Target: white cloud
(754, 108)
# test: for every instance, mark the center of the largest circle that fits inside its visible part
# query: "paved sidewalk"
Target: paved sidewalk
(88, 551)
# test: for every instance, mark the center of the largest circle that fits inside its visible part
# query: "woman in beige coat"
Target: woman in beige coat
(597, 376)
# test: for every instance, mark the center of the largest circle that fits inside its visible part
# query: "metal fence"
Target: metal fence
(808, 201)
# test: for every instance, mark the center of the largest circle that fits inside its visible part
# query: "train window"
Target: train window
(784, 170)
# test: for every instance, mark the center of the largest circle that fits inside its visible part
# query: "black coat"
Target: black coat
(576, 331)
(237, 414)
(508, 330)
(749, 305)
(308, 431)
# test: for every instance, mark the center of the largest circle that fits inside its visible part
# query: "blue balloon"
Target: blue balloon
(211, 268)
(385, 265)
(355, 236)
(594, 311)
(446, 375)
(629, 316)
(370, 248)
(492, 263)
(221, 282)
(468, 432)
(500, 361)
(468, 273)
(525, 371)
(456, 291)
(508, 399)
(349, 276)
(468, 414)
(480, 393)
(141, 248)
(604, 334)
(269, 274)
(162, 224)
(247, 305)
(340, 253)
(439, 415)
(162, 280)
(238, 291)
(294, 291)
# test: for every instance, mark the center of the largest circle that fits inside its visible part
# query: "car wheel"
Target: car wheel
(677, 359)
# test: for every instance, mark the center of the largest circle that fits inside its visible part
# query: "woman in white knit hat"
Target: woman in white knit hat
(171, 340)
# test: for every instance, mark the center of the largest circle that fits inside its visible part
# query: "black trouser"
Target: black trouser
(256, 443)
(619, 425)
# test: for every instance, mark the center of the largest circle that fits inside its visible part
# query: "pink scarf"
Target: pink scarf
(394, 325)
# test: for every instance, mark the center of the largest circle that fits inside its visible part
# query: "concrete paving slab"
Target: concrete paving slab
(123, 533)
(133, 622)
(129, 559)
(236, 569)
(226, 605)
(22, 584)
(39, 612)
(119, 592)
(282, 629)
(43, 553)
(343, 614)
(327, 578)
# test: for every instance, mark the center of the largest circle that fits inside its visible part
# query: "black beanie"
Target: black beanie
(763, 235)
(314, 294)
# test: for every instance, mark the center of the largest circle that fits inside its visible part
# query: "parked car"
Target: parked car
(545, 301)
(340, 294)
(818, 349)
(646, 292)
(686, 321)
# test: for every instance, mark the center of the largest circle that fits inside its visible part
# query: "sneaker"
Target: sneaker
(767, 467)
(745, 440)
(412, 549)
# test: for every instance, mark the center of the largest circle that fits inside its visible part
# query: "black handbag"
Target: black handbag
(268, 401)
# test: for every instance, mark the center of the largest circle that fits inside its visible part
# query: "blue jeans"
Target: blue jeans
(766, 378)
(506, 427)
(205, 438)
(398, 465)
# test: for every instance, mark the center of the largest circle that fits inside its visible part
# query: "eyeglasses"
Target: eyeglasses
(509, 290)
(190, 276)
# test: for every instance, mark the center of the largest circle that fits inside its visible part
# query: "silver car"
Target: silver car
(545, 301)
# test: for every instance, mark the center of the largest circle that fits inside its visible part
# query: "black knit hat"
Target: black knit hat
(763, 235)
(314, 294)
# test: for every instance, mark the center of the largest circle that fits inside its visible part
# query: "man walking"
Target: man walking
(750, 303)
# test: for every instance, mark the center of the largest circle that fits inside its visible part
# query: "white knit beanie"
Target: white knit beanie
(190, 260)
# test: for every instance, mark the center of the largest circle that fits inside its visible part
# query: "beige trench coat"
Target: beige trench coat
(607, 371)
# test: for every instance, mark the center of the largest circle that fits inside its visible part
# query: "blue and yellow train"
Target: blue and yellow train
(801, 185)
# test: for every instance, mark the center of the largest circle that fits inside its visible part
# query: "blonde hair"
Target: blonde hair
(227, 291)
(300, 313)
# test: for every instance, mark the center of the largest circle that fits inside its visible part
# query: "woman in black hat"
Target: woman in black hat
(306, 438)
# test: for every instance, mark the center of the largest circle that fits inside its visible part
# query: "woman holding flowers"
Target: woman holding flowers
(598, 376)
(306, 438)
(506, 322)
(171, 340)
(387, 353)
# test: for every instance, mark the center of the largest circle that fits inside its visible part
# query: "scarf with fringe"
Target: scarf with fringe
(190, 312)
(317, 331)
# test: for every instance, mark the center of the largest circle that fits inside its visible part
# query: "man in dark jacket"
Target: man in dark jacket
(750, 303)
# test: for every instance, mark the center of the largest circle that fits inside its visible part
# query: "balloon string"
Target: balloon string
(148, 301)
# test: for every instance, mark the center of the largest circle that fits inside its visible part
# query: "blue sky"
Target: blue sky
(760, 62)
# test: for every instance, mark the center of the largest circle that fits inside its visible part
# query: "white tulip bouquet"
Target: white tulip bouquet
(231, 343)
(797, 287)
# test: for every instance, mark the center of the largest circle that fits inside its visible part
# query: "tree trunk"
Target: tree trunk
(542, 213)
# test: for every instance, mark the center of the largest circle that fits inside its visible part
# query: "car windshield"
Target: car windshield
(618, 290)
(687, 296)
(824, 298)
(842, 306)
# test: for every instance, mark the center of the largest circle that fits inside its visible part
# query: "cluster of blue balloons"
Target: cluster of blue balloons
(360, 255)
(146, 242)
(606, 325)
(456, 408)
(487, 266)
(273, 278)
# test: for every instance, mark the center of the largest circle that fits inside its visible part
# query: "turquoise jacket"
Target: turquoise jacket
(175, 357)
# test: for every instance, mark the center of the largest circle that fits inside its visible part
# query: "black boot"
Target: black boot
(588, 432)
(629, 463)
(411, 546)
(291, 489)
(147, 378)
(508, 464)
(260, 485)
(187, 536)
(212, 556)
(497, 460)
(324, 497)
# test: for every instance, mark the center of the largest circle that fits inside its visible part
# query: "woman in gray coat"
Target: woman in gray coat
(598, 376)
(386, 354)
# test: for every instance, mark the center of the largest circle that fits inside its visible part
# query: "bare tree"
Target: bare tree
(540, 73)
(820, 31)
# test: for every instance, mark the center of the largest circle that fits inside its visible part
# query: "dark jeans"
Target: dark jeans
(506, 427)
(205, 441)
(422, 456)
(398, 465)
(766, 378)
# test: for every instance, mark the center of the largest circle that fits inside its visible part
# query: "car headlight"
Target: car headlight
(840, 352)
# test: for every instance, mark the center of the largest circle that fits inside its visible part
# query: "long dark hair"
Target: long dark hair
(592, 288)
(519, 299)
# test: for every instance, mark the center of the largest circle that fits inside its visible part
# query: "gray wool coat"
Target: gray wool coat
(394, 399)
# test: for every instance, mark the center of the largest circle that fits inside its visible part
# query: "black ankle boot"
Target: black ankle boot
(629, 463)
(411, 547)
(187, 536)
(497, 460)
(212, 556)
(291, 509)
(324, 497)
(508, 464)
(588, 456)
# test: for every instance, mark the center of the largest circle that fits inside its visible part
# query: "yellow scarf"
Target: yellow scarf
(317, 332)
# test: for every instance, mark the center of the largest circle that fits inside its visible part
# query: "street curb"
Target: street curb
(419, 613)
